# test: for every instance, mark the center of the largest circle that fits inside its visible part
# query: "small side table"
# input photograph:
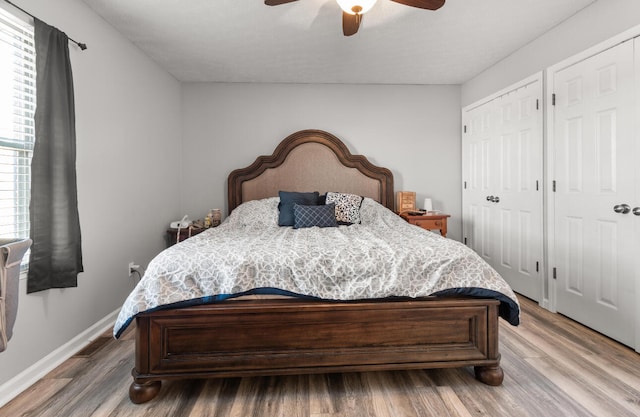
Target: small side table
(173, 238)
(429, 221)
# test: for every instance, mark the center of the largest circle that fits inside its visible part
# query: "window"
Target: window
(17, 130)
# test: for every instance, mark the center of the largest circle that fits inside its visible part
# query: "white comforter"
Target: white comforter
(382, 257)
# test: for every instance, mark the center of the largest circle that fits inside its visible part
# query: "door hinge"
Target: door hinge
(553, 183)
(465, 240)
(554, 273)
(465, 185)
(537, 185)
(553, 99)
(465, 128)
(537, 104)
(537, 266)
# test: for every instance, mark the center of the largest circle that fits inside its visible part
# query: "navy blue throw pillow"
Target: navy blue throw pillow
(310, 216)
(288, 199)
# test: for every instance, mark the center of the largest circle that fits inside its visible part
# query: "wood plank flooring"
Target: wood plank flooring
(553, 367)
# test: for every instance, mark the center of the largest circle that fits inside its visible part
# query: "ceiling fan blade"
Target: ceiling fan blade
(422, 4)
(350, 23)
(277, 2)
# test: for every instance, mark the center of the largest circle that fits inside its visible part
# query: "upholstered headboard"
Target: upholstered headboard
(310, 160)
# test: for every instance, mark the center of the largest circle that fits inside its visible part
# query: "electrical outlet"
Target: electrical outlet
(132, 268)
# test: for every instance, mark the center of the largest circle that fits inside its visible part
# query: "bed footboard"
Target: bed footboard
(293, 336)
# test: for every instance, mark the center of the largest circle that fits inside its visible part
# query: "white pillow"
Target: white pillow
(256, 213)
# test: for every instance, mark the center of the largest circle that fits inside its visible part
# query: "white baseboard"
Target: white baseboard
(10, 389)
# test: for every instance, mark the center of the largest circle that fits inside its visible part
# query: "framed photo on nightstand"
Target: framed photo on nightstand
(405, 201)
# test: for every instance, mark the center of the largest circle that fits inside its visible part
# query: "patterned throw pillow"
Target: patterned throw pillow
(288, 199)
(347, 207)
(310, 216)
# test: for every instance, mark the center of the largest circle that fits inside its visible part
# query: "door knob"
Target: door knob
(636, 211)
(489, 198)
(622, 208)
(496, 199)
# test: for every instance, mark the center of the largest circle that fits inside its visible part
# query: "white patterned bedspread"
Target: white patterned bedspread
(382, 257)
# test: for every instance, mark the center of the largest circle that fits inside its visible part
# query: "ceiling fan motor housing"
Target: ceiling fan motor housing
(356, 6)
(354, 9)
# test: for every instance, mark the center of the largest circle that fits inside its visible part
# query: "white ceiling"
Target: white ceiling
(302, 42)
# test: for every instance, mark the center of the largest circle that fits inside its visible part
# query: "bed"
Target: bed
(278, 326)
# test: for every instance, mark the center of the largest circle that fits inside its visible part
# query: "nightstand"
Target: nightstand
(173, 238)
(429, 221)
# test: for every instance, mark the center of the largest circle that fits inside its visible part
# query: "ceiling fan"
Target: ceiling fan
(352, 10)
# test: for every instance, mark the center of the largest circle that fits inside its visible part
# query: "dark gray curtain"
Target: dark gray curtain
(56, 253)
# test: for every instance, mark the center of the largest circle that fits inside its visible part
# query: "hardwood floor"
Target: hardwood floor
(553, 367)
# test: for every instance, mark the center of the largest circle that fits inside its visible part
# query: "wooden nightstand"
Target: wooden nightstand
(429, 221)
(173, 238)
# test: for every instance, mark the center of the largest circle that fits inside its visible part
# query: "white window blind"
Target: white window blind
(17, 130)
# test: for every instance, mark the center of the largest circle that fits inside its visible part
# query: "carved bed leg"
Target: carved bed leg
(141, 392)
(490, 375)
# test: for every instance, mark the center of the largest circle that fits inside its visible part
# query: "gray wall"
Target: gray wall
(128, 130)
(412, 130)
(592, 25)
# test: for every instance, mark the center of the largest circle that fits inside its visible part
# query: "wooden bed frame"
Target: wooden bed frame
(239, 338)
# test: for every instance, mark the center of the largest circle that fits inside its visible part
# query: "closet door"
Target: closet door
(502, 199)
(594, 166)
(518, 198)
(636, 204)
(479, 163)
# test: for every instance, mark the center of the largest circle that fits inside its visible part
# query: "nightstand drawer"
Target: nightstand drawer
(173, 237)
(428, 224)
(429, 221)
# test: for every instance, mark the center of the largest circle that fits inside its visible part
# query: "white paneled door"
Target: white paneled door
(502, 174)
(478, 159)
(595, 160)
(636, 206)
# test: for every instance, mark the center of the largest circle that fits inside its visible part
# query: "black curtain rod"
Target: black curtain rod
(81, 45)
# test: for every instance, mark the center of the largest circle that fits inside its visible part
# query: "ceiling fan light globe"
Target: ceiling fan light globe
(348, 6)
